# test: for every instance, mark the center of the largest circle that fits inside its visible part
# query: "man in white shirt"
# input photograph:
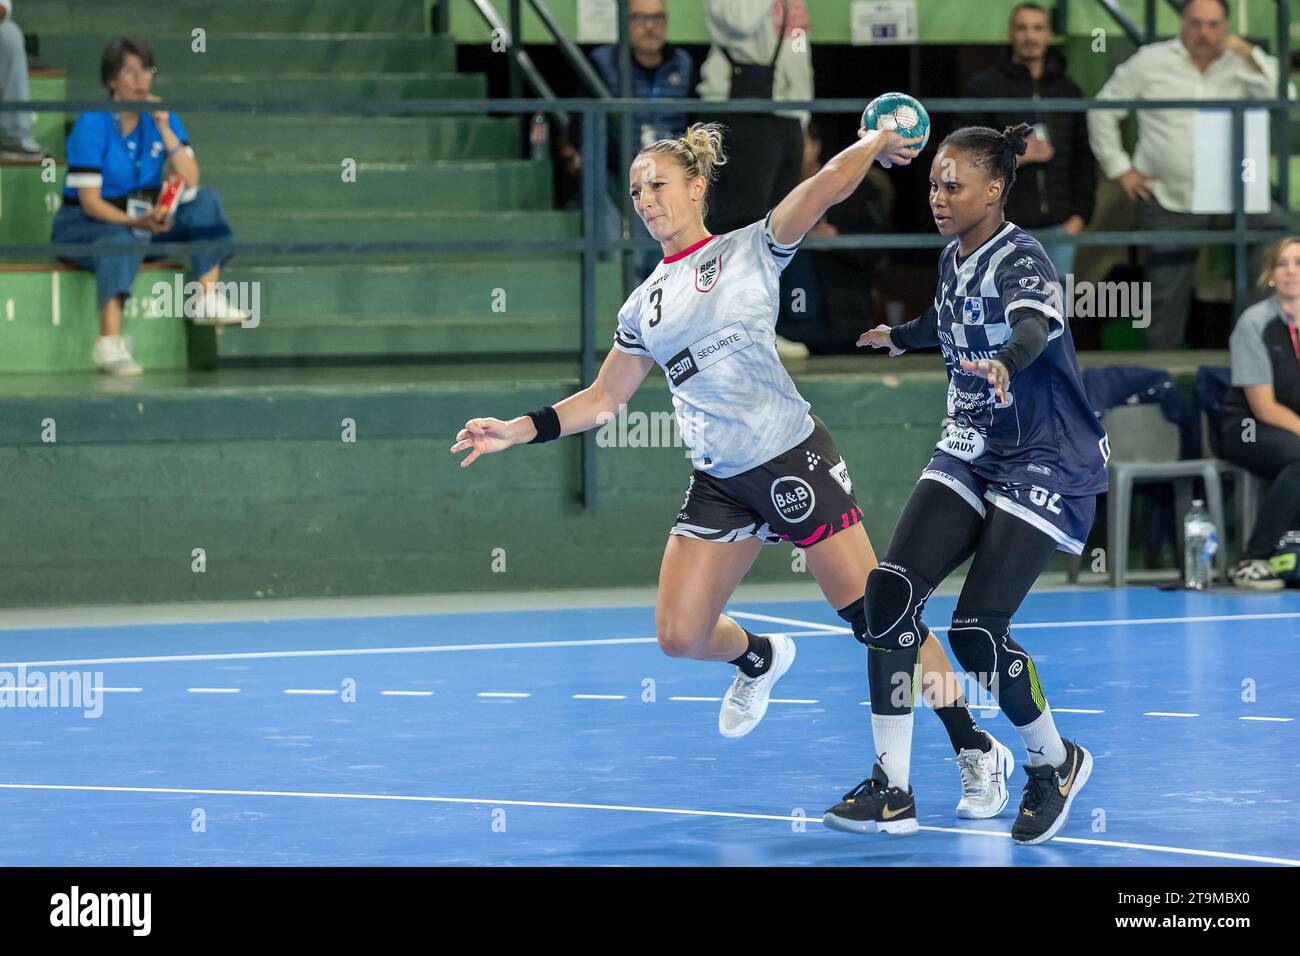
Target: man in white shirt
(767, 148)
(1205, 62)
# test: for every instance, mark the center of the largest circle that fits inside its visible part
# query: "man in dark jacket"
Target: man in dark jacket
(1055, 187)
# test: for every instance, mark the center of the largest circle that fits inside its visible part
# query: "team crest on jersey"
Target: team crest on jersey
(1027, 262)
(972, 311)
(706, 276)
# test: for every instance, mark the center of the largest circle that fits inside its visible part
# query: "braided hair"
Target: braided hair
(996, 152)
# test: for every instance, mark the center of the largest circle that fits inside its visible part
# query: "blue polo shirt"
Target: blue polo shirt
(99, 155)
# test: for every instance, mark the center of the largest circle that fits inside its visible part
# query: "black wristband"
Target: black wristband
(547, 423)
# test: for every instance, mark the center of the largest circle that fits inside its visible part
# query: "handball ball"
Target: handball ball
(900, 113)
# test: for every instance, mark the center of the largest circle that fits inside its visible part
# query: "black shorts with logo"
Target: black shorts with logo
(803, 496)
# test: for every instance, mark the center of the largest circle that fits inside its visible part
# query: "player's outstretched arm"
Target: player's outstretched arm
(921, 333)
(835, 182)
(618, 379)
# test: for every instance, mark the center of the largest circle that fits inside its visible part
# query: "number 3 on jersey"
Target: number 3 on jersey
(656, 298)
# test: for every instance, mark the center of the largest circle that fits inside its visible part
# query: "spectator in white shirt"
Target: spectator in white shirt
(1206, 61)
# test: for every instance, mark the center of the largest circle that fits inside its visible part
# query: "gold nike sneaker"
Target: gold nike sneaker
(873, 806)
(1049, 791)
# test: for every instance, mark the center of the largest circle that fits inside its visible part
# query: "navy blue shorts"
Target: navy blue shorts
(1067, 520)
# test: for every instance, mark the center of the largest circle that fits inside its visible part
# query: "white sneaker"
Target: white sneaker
(1257, 575)
(745, 702)
(113, 356)
(214, 309)
(785, 349)
(984, 781)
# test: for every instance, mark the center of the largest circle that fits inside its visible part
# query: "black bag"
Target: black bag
(755, 81)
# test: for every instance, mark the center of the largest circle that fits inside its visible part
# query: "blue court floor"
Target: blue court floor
(566, 737)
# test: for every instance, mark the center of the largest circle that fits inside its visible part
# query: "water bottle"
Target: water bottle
(539, 138)
(1200, 544)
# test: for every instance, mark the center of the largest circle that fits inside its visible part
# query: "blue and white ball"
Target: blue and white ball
(898, 113)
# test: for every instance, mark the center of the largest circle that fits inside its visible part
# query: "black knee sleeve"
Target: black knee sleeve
(855, 616)
(894, 601)
(983, 647)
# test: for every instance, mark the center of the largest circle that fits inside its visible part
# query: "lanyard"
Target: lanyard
(1295, 341)
(138, 136)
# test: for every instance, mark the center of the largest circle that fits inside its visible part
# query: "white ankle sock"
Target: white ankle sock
(893, 739)
(1042, 741)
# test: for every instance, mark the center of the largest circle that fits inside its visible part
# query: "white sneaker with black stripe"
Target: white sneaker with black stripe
(984, 780)
(745, 702)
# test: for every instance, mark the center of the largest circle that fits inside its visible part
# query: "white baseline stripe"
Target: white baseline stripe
(475, 801)
(835, 628)
(1075, 710)
(826, 629)
(1280, 720)
(1163, 713)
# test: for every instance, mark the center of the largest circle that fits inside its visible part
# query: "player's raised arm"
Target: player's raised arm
(835, 182)
(618, 379)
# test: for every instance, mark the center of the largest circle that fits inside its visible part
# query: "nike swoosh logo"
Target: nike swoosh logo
(889, 816)
(1065, 790)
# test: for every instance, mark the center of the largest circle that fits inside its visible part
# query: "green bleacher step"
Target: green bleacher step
(429, 187)
(509, 286)
(179, 17)
(48, 127)
(49, 320)
(314, 86)
(265, 56)
(27, 203)
(264, 139)
(409, 337)
(277, 225)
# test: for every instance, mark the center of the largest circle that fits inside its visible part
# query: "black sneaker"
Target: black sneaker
(873, 806)
(1049, 791)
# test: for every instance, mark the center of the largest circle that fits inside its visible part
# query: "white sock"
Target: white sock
(1042, 742)
(893, 738)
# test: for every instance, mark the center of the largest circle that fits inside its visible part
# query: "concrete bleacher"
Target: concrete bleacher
(281, 180)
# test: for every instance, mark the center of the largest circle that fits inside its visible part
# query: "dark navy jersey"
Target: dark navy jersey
(1046, 434)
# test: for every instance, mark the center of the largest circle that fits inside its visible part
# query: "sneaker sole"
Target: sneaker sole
(780, 672)
(1085, 771)
(863, 827)
(1008, 764)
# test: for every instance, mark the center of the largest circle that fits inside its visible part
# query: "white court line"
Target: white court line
(790, 700)
(823, 630)
(406, 693)
(212, 690)
(1280, 720)
(829, 628)
(102, 690)
(1216, 854)
(501, 693)
(299, 690)
(1163, 713)
(1075, 710)
(600, 696)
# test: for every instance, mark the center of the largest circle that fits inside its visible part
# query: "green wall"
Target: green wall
(939, 21)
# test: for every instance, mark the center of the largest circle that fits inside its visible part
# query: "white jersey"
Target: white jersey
(708, 317)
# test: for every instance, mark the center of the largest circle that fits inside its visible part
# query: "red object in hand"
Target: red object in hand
(169, 197)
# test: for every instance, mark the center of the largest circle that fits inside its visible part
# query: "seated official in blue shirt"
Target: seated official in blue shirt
(115, 171)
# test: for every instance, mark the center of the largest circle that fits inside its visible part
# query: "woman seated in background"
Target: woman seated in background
(115, 171)
(1261, 412)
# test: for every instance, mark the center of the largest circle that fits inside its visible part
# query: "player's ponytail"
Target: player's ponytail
(998, 153)
(698, 151)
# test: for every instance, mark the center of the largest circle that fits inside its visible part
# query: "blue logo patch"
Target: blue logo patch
(972, 311)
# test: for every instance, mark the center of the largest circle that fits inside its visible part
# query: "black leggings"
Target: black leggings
(937, 532)
(1273, 455)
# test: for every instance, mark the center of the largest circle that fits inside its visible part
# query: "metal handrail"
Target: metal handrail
(520, 59)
